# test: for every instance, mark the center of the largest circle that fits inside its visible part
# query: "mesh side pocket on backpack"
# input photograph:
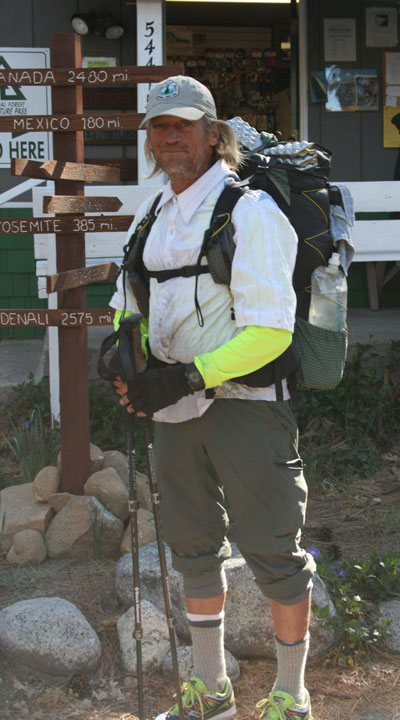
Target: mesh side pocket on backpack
(220, 251)
(322, 355)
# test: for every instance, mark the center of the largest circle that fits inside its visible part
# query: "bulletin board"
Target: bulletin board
(391, 98)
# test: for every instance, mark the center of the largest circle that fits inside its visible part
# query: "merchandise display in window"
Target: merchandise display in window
(242, 79)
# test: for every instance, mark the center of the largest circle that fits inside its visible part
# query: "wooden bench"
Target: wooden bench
(376, 242)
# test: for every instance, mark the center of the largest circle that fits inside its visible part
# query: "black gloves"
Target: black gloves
(158, 388)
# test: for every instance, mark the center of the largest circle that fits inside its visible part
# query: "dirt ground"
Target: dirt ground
(370, 690)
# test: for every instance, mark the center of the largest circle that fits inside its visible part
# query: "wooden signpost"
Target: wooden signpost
(67, 204)
(69, 225)
(73, 76)
(66, 224)
(106, 272)
(53, 169)
(20, 317)
(70, 123)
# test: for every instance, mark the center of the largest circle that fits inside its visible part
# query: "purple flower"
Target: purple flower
(341, 573)
(314, 551)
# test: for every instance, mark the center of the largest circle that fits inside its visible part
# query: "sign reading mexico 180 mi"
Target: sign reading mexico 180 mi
(21, 101)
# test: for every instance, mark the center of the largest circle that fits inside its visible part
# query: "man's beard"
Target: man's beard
(185, 169)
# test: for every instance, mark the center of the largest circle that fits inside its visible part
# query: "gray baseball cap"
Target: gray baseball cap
(181, 96)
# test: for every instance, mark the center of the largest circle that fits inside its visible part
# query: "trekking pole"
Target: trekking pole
(133, 508)
(155, 496)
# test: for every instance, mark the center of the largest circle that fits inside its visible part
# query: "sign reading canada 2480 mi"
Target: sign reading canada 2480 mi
(20, 100)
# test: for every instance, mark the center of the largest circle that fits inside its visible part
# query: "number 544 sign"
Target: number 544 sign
(150, 51)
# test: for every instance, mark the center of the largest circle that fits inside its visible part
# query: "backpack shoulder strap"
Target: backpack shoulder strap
(143, 224)
(225, 204)
(132, 265)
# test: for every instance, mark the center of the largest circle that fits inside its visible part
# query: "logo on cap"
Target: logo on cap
(169, 89)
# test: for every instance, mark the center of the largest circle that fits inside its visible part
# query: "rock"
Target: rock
(248, 621)
(46, 483)
(49, 635)
(155, 642)
(28, 548)
(185, 663)
(146, 531)
(249, 629)
(83, 529)
(150, 580)
(391, 609)
(107, 486)
(59, 500)
(96, 458)
(20, 511)
(118, 461)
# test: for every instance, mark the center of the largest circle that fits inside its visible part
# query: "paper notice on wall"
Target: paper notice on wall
(339, 39)
(381, 27)
(392, 96)
(392, 68)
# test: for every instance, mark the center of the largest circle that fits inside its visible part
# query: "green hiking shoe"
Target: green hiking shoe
(280, 705)
(199, 704)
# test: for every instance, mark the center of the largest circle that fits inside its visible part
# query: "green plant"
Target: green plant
(355, 588)
(27, 396)
(107, 428)
(34, 445)
(344, 431)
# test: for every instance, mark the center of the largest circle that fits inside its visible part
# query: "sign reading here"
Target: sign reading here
(19, 101)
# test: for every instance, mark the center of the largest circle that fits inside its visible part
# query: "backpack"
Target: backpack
(295, 175)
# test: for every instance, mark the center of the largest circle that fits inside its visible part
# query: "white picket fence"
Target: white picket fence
(376, 241)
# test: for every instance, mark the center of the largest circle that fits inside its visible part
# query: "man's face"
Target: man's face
(182, 148)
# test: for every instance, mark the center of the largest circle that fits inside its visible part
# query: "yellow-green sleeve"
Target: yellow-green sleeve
(250, 350)
(144, 326)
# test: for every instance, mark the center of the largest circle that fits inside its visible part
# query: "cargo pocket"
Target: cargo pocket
(292, 490)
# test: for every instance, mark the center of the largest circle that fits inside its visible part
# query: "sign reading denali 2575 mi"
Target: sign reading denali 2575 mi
(22, 101)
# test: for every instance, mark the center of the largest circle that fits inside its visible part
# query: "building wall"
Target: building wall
(355, 138)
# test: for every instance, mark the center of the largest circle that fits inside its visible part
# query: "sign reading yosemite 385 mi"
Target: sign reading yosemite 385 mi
(20, 100)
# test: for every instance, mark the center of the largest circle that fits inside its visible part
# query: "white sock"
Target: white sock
(208, 649)
(291, 658)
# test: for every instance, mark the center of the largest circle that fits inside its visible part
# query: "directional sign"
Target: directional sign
(79, 204)
(62, 170)
(107, 272)
(17, 102)
(70, 123)
(62, 318)
(60, 225)
(86, 76)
